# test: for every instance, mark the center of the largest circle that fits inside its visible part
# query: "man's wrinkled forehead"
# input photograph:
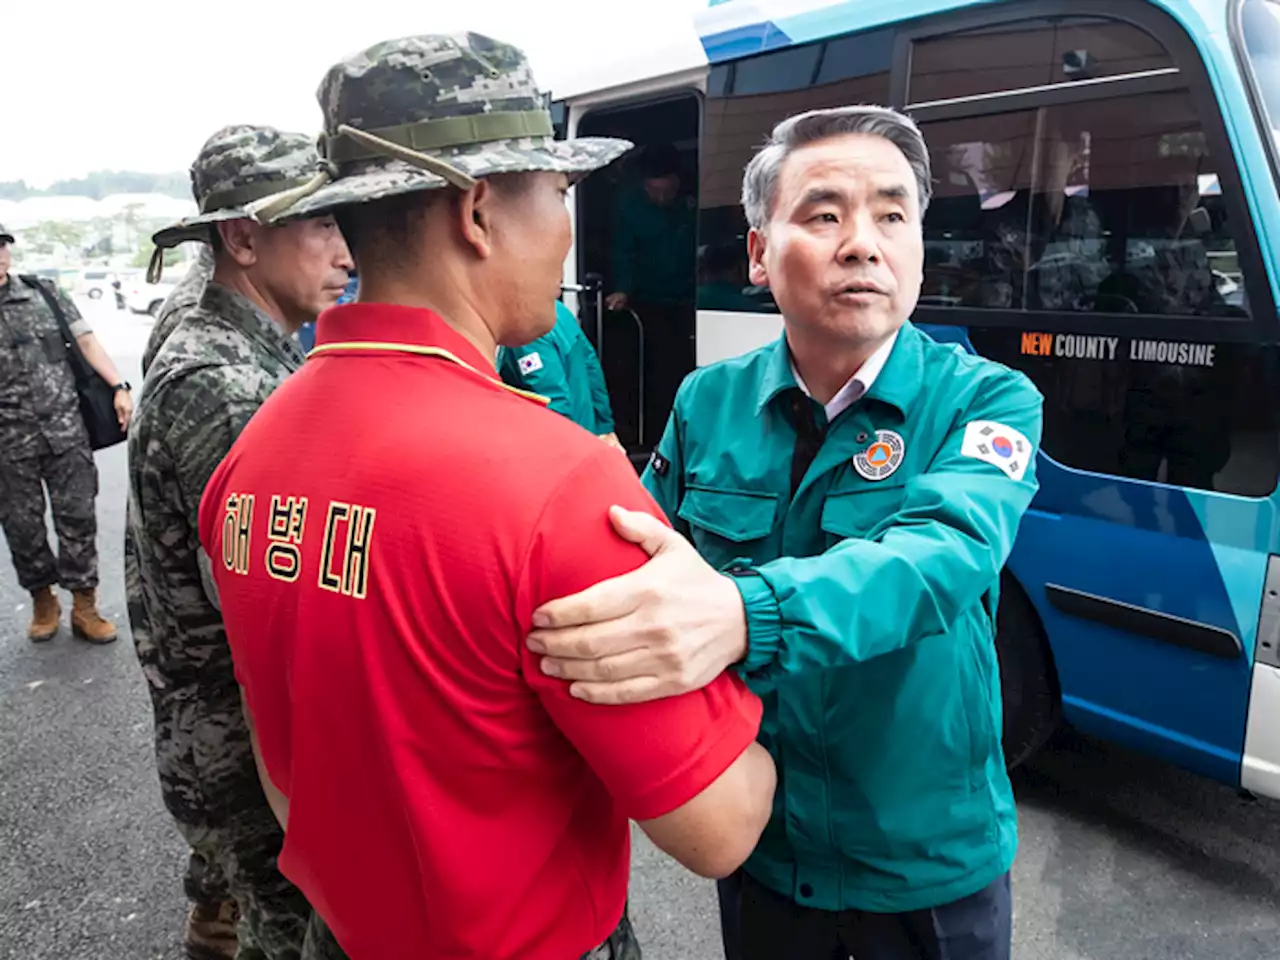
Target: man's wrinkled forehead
(846, 168)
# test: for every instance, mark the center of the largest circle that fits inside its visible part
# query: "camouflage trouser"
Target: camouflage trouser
(210, 785)
(204, 881)
(72, 481)
(621, 945)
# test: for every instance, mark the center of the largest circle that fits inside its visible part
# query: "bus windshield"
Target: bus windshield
(1261, 34)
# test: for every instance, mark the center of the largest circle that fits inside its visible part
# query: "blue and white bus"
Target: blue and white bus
(1107, 221)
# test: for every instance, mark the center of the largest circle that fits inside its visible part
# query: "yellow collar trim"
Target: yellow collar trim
(424, 352)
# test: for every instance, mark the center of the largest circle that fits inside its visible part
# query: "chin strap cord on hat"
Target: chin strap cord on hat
(156, 266)
(269, 208)
(442, 169)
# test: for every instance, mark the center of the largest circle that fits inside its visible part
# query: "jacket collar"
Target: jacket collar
(236, 310)
(897, 383)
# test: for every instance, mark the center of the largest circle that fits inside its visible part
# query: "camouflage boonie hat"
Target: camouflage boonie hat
(245, 171)
(423, 112)
(5, 235)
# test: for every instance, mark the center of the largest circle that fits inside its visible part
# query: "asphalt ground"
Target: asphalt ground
(1121, 857)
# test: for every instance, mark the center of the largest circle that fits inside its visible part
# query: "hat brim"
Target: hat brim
(369, 180)
(195, 228)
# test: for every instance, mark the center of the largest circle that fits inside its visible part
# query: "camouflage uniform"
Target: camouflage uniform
(44, 444)
(204, 882)
(184, 297)
(483, 93)
(205, 380)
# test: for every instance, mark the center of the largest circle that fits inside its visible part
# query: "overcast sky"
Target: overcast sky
(120, 84)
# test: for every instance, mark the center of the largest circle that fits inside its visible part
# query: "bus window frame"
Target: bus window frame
(1257, 103)
(1191, 74)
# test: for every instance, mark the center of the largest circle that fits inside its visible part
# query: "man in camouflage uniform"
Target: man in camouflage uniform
(211, 923)
(207, 378)
(183, 297)
(44, 445)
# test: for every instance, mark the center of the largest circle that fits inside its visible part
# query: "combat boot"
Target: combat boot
(87, 623)
(46, 614)
(211, 931)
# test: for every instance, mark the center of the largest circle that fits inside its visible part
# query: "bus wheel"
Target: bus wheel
(1028, 678)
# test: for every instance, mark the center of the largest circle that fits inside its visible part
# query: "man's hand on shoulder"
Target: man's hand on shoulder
(668, 628)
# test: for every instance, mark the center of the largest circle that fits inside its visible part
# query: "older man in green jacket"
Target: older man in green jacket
(852, 491)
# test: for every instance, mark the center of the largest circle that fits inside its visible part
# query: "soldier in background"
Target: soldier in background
(44, 445)
(206, 378)
(212, 920)
(185, 296)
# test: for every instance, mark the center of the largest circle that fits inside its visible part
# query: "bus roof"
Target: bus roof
(729, 29)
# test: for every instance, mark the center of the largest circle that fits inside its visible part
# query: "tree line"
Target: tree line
(104, 183)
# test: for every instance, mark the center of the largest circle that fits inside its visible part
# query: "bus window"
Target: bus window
(1029, 53)
(973, 237)
(559, 120)
(1110, 207)
(637, 229)
(745, 100)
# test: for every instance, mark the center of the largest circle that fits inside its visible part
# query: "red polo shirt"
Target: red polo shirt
(380, 536)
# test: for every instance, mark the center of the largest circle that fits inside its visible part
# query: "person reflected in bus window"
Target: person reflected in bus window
(562, 366)
(853, 491)
(1175, 414)
(1165, 268)
(723, 279)
(1068, 245)
(653, 264)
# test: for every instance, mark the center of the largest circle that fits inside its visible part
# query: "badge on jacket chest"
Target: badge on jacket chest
(882, 458)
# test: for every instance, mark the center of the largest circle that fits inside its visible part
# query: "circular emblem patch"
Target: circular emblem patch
(882, 458)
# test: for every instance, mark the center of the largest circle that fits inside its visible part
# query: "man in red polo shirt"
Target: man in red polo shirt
(442, 797)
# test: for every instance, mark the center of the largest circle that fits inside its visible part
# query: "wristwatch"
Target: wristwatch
(123, 385)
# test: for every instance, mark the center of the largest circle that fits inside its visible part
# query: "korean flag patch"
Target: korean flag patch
(529, 363)
(999, 445)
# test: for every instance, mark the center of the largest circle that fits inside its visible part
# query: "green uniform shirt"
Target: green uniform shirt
(653, 246)
(870, 598)
(563, 367)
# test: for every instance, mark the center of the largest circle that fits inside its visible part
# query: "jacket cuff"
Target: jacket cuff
(764, 617)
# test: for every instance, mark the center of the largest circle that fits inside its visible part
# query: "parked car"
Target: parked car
(95, 282)
(143, 297)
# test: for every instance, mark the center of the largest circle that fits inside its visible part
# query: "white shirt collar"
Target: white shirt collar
(858, 384)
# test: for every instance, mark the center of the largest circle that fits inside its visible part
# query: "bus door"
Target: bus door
(637, 238)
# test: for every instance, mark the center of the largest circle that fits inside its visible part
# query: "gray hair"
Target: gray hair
(760, 181)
